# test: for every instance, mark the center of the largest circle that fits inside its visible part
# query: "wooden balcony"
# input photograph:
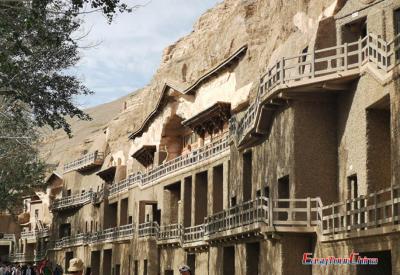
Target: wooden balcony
(197, 156)
(88, 161)
(35, 234)
(8, 237)
(74, 201)
(170, 233)
(21, 258)
(24, 258)
(194, 236)
(320, 70)
(148, 229)
(226, 222)
(125, 184)
(374, 214)
(263, 216)
(115, 234)
(77, 240)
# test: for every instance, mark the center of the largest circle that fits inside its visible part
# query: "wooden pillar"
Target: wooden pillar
(181, 202)
(226, 171)
(193, 200)
(211, 197)
(166, 213)
(395, 132)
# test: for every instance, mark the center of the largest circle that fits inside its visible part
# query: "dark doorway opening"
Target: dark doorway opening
(218, 178)
(187, 201)
(247, 175)
(107, 257)
(145, 267)
(95, 262)
(283, 193)
(172, 197)
(354, 30)
(65, 230)
(201, 195)
(191, 262)
(123, 218)
(68, 256)
(252, 258)
(228, 263)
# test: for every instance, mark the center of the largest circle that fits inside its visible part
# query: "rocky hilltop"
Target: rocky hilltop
(269, 28)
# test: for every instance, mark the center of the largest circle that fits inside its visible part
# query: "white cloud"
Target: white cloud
(131, 47)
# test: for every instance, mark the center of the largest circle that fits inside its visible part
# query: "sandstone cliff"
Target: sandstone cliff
(270, 29)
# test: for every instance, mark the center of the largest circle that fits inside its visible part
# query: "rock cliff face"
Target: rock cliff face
(270, 29)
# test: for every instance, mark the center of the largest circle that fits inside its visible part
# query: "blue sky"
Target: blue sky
(123, 56)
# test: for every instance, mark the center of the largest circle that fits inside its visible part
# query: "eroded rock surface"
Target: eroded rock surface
(270, 29)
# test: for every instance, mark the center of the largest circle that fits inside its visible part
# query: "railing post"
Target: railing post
(333, 219)
(359, 52)
(308, 212)
(270, 212)
(345, 56)
(346, 210)
(375, 209)
(392, 199)
(313, 63)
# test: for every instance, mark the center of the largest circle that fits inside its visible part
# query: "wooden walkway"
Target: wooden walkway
(311, 71)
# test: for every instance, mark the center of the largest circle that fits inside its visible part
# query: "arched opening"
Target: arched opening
(171, 143)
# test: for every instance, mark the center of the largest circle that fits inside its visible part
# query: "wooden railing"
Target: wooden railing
(73, 201)
(374, 210)
(79, 239)
(148, 229)
(120, 233)
(378, 209)
(169, 232)
(8, 237)
(204, 153)
(95, 158)
(193, 233)
(301, 213)
(239, 127)
(36, 256)
(125, 184)
(315, 65)
(113, 234)
(35, 234)
(22, 257)
(237, 216)
(196, 156)
(295, 213)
